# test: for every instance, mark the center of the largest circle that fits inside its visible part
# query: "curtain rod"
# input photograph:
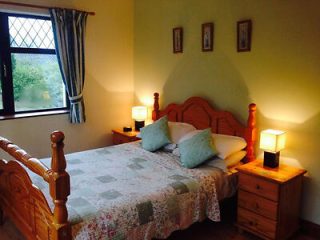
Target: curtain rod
(33, 6)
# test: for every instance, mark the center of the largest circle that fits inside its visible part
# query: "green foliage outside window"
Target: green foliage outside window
(37, 82)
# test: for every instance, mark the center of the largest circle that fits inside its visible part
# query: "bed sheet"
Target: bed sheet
(125, 192)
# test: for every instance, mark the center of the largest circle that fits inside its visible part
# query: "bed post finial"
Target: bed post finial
(251, 132)
(155, 112)
(59, 188)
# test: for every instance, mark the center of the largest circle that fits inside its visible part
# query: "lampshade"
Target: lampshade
(139, 113)
(272, 140)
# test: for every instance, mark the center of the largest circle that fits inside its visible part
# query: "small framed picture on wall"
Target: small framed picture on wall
(177, 34)
(207, 37)
(244, 29)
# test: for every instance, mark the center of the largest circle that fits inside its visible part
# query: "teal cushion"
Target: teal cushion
(155, 135)
(197, 149)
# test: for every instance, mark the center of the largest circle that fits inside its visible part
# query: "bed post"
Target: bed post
(251, 132)
(59, 188)
(155, 112)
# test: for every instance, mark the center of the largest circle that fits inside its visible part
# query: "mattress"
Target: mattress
(125, 192)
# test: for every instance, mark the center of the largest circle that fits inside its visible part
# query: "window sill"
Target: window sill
(35, 114)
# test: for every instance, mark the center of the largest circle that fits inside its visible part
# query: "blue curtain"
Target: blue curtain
(69, 36)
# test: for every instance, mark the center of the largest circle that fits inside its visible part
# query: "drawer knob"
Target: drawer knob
(258, 187)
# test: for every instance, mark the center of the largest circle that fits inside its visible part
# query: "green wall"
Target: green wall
(280, 73)
(108, 90)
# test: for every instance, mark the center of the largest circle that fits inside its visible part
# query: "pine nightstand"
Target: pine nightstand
(269, 200)
(119, 136)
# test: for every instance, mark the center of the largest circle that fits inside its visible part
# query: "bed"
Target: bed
(116, 192)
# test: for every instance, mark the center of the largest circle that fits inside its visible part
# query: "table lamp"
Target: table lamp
(139, 114)
(272, 141)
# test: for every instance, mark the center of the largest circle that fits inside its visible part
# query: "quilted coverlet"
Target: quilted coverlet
(125, 192)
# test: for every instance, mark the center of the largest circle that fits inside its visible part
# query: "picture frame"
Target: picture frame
(177, 36)
(207, 37)
(244, 29)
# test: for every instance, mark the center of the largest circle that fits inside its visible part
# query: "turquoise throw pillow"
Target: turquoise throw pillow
(155, 135)
(197, 149)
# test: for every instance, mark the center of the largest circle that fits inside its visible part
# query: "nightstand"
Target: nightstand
(119, 136)
(269, 200)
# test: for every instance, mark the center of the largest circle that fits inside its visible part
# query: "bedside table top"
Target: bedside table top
(129, 134)
(281, 174)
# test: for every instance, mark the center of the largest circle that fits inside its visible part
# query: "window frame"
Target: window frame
(6, 75)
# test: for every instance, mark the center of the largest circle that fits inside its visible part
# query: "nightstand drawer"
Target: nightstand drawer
(257, 223)
(259, 186)
(258, 204)
(269, 200)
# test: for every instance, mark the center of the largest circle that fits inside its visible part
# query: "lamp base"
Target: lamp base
(138, 125)
(271, 159)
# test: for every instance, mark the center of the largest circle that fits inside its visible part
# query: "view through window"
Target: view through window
(37, 82)
(33, 80)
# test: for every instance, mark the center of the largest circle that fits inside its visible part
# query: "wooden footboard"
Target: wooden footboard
(24, 203)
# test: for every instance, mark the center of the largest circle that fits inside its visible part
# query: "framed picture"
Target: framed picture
(177, 34)
(207, 37)
(244, 35)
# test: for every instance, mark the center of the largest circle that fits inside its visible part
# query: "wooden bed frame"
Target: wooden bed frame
(26, 205)
(198, 112)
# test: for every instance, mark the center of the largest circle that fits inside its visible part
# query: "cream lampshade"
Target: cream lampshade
(272, 141)
(139, 114)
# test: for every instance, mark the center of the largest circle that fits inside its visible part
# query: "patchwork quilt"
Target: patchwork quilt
(125, 192)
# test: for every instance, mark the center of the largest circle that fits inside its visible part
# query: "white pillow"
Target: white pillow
(190, 134)
(179, 129)
(235, 158)
(224, 144)
(227, 145)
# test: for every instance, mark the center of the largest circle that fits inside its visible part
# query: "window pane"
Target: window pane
(30, 33)
(37, 82)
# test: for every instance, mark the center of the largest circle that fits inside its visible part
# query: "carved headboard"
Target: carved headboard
(198, 112)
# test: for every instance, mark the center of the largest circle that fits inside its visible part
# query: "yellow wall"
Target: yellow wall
(108, 89)
(280, 74)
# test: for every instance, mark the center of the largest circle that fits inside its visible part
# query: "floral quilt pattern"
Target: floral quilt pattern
(125, 192)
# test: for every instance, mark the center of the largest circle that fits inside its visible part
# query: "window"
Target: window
(30, 75)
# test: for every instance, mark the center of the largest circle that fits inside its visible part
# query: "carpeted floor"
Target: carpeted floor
(221, 231)
(206, 230)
